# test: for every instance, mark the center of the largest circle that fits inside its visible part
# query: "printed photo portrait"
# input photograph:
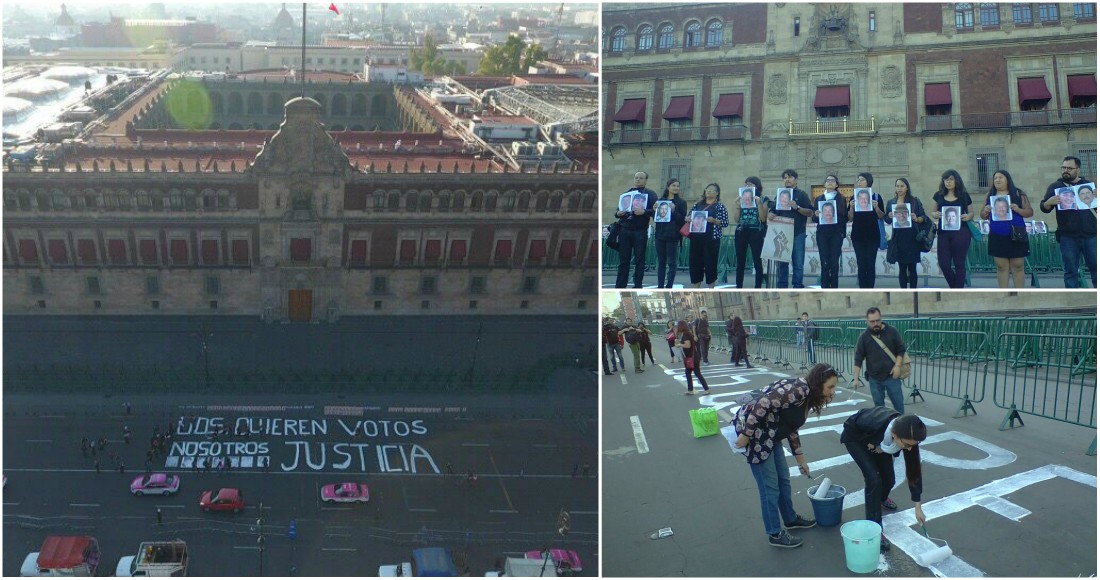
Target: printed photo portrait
(663, 211)
(1040, 227)
(1067, 198)
(1029, 226)
(1086, 196)
(983, 225)
(698, 222)
(863, 199)
(950, 220)
(638, 202)
(748, 197)
(902, 218)
(624, 201)
(1002, 212)
(827, 209)
(783, 198)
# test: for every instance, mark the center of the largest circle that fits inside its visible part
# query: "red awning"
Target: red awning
(937, 94)
(832, 97)
(1082, 85)
(63, 551)
(732, 105)
(632, 111)
(1034, 89)
(680, 108)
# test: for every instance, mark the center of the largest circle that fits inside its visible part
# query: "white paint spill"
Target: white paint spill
(620, 451)
(883, 565)
(639, 435)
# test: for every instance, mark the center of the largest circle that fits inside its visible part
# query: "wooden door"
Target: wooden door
(300, 305)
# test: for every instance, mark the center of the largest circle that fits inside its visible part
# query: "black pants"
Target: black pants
(740, 353)
(829, 243)
(699, 374)
(667, 254)
(704, 348)
(631, 242)
(703, 260)
(753, 240)
(907, 275)
(866, 258)
(647, 347)
(878, 478)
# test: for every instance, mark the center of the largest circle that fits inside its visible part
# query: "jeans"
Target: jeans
(951, 252)
(811, 351)
(631, 242)
(616, 350)
(703, 260)
(892, 387)
(749, 239)
(636, 350)
(829, 244)
(606, 368)
(773, 481)
(798, 259)
(878, 478)
(667, 254)
(866, 256)
(704, 348)
(1073, 249)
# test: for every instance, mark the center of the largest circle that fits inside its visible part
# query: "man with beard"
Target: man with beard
(1076, 232)
(611, 346)
(883, 368)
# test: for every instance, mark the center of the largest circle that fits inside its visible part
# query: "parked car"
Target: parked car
(345, 493)
(155, 484)
(226, 499)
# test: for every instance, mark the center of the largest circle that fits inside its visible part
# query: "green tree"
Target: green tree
(428, 59)
(512, 57)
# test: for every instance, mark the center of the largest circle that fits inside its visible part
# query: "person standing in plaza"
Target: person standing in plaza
(740, 342)
(730, 338)
(631, 334)
(809, 331)
(866, 238)
(634, 232)
(761, 428)
(831, 231)
(800, 210)
(882, 349)
(670, 337)
(751, 227)
(1076, 233)
(612, 346)
(702, 333)
(905, 239)
(953, 245)
(645, 344)
(667, 236)
(689, 350)
(703, 252)
(1008, 240)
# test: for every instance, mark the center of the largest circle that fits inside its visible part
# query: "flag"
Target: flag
(333, 8)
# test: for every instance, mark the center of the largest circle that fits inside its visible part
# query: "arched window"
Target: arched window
(989, 14)
(618, 39)
(664, 36)
(714, 33)
(410, 201)
(964, 15)
(693, 35)
(645, 38)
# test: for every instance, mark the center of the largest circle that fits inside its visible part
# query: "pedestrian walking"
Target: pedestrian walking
(576, 470)
(126, 435)
(84, 446)
(121, 467)
(102, 443)
(741, 342)
(867, 230)
(670, 338)
(1076, 233)
(874, 437)
(471, 477)
(126, 406)
(883, 351)
(148, 467)
(689, 352)
(160, 517)
(97, 465)
(762, 426)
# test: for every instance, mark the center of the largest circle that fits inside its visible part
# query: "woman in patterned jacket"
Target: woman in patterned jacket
(761, 426)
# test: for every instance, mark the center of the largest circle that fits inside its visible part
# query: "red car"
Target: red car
(226, 499)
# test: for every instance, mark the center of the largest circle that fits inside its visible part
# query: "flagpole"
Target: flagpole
(303, 67)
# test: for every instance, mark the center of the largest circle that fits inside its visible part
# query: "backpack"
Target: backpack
(632, 336)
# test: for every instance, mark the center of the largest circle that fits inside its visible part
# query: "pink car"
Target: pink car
(566, 561)
(345, 493)
(155, 484)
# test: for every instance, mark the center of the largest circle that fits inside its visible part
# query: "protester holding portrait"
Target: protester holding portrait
(1008, 243)
(750, 230)
(800, 209)
(634, 231)
(866, 236)
(905, 211)
(952, 205)
(1076, 233)
(666, 234)
(832, 220)
(703, 255)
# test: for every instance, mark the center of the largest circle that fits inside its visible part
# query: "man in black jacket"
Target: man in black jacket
(633, 234)
(1076, 233)
(883, 369)
(702, 334)
(801, 208)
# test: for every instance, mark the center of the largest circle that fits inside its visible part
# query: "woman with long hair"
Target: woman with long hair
(874, 437)
(703, 256)
(645, 345)
(1007, 254)
(685, 339)
(908, 252)
(751, 228)
(831, 229)
(762, 426)
(741, 343)
(666, 235)
(865, 233)
(953, 245)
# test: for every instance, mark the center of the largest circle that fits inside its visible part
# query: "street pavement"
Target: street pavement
(1019, 502)
(522, 451)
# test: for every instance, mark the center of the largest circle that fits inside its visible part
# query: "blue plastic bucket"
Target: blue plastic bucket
(861, 545)
(828, 509)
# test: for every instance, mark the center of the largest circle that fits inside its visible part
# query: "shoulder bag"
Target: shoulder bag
(613, 236)
(906, 364)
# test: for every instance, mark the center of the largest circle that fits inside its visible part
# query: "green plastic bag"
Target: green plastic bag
(704, 422)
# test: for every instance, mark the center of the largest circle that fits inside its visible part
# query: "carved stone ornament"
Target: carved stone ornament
(777, 89)
(891, 82)
(301, 144)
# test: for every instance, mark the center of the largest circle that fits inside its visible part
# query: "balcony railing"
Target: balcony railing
(677, 134)
(831, 126)
(1008, 119)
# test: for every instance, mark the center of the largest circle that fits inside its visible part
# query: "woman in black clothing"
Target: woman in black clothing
(908, 252)
(645, 345)
(741, 343)
(953, 245)
(666, 235)
(751, 227)
(670, 336)
(831, 232)
(685, 339)
(703, 251)
(874, 437)
(865, 233)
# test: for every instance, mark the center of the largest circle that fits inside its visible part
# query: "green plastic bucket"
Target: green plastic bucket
(861, 545)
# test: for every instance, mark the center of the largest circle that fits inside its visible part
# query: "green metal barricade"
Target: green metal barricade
(949, 364)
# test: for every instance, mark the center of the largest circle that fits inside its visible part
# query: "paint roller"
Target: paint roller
(822, 490)
(932, 557)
